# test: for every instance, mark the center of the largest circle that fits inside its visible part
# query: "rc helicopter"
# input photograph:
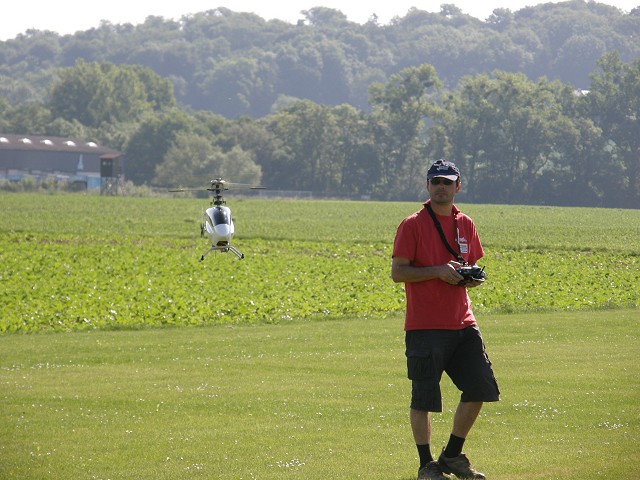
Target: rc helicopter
(217, 221)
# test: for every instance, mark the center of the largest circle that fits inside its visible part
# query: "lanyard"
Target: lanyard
(436, 222)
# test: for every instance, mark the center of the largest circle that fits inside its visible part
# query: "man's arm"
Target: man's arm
(403, 272)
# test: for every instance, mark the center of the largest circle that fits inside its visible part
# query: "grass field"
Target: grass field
(313, 400)
(140, 362)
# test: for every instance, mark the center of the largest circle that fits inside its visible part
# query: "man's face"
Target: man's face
(442, 190)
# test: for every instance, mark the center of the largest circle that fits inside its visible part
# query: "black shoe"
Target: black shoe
(431, 471)
(459, 466)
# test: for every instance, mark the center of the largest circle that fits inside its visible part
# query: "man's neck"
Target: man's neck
(443, 209)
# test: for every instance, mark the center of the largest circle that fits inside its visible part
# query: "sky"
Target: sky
(69, 16)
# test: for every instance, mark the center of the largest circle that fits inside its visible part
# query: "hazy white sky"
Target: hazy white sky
(69, 16)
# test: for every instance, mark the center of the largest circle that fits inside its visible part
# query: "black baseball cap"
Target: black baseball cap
(442, 168)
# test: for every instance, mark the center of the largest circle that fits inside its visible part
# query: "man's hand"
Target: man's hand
(447, 273)
(473, 275)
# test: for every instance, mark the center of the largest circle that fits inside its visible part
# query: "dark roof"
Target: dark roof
(53, 144)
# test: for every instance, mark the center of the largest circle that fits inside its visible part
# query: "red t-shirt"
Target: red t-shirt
(434, 304)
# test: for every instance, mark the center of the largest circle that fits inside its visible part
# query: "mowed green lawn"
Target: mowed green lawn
(129, 359)
(313, 400)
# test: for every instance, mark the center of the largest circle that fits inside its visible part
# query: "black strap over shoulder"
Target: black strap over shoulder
(436, 222)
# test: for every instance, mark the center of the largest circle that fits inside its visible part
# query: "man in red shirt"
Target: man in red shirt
(441, 331)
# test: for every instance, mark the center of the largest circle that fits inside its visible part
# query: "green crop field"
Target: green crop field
(122, 356)
(80, 262)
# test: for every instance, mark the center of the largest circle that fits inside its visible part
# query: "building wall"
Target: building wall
(58, 158)
(50, 162)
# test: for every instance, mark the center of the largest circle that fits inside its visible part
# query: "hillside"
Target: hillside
(238, 64)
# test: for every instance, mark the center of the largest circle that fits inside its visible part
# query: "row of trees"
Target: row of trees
(516, 140)
(238, 64)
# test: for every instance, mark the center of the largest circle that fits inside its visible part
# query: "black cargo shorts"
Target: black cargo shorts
(459, 353)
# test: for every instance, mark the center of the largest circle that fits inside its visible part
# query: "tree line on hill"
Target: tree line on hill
(363, 124)
(237, 64)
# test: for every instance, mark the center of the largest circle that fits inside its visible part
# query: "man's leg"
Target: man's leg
(464, 418)
(421, 426)
(452, 459)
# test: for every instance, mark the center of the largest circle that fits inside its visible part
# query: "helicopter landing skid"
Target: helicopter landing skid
(224, 249)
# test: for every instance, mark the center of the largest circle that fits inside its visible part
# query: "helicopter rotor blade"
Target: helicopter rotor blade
(187, 190)
(219, 185)
(232, 186)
